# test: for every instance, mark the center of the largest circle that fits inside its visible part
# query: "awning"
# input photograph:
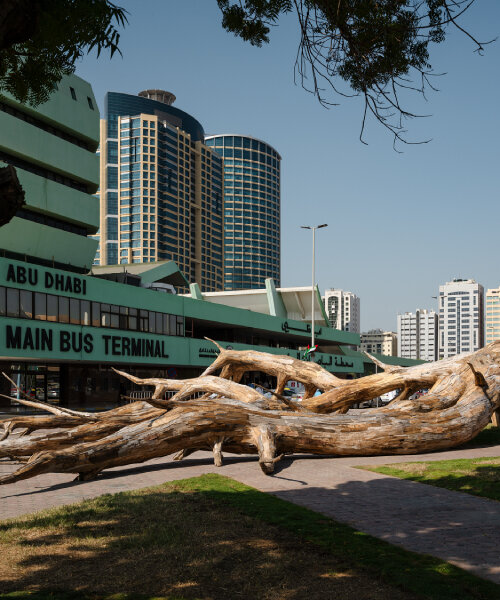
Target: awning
(163, 271)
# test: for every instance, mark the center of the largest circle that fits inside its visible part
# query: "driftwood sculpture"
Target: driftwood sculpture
(463, 393)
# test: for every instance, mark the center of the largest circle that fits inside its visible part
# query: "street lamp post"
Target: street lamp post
(313, 275)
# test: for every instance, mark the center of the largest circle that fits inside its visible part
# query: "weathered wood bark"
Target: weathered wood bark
(123, 415)
(463, 394)
(284, 368)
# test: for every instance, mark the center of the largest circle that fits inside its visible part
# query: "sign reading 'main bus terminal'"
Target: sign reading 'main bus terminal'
(46, 339)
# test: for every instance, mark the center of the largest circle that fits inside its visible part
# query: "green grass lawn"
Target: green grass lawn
(476, 476)
(212, 537)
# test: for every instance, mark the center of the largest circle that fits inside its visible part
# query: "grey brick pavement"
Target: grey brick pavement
(461, 529)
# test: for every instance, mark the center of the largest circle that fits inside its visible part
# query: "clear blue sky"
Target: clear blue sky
(399, 224)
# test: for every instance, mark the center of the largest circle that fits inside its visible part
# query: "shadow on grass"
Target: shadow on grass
(212, 537)
(55, 595)
(177, 542)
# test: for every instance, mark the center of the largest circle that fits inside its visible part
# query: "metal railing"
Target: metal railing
(133, 396)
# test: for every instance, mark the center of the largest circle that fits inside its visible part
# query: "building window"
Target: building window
(26, 309)
(63, 309)
(17, 303)
(74, 311)
(73, 93)
(12, 303)
(96, 314)
(40, 306)
(52, 308)
(3, 306)
(91, 104)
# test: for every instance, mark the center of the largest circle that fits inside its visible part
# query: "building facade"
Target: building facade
(492, 315)
(53, 149)
(343, 310)
(418, 335)
(161, 188)
(251, 211)
(63, 328)
(61, 332)
(461, 317)
(377, 341)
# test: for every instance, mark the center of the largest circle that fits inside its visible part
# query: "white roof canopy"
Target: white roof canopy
(296, 302)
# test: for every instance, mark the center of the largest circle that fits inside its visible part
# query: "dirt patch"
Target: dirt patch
(413, 468)
(489, 461)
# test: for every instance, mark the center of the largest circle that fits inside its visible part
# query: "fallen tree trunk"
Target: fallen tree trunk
(121, 416)
(464, 392)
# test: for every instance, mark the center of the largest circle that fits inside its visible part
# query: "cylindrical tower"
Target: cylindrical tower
(251, 210)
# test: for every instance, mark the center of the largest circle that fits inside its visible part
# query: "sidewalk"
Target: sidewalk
(461, 529)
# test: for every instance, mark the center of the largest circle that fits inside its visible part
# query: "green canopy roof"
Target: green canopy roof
(163, 271)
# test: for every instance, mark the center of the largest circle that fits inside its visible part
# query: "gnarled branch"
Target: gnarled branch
(464, 392)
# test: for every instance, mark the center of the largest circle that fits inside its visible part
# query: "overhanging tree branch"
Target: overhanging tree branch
(372, 47)
(40, 41)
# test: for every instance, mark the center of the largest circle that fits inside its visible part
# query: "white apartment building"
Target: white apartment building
(492, 317)
(408, 335)
(461, 324)
(418, 334)
(343, 310)
(377, 341)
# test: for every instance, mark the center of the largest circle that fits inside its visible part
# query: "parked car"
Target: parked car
(292, 394)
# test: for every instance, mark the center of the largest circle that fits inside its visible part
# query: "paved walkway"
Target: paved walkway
(458, 528)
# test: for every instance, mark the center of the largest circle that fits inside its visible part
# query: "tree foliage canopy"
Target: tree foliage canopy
(40, 41)
(377, 47)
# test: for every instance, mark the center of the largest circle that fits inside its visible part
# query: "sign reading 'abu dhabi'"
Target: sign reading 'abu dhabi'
(59, 282)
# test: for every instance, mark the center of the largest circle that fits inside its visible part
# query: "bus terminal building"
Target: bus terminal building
(64, 324)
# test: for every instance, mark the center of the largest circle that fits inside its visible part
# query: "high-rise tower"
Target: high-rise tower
(251, 210)
(461, 326)
(161, 188)
(418, 335)
(343, 310)
(492, 318)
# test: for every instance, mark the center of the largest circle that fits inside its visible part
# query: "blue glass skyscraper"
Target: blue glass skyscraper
(251, 210)
(161, 188)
